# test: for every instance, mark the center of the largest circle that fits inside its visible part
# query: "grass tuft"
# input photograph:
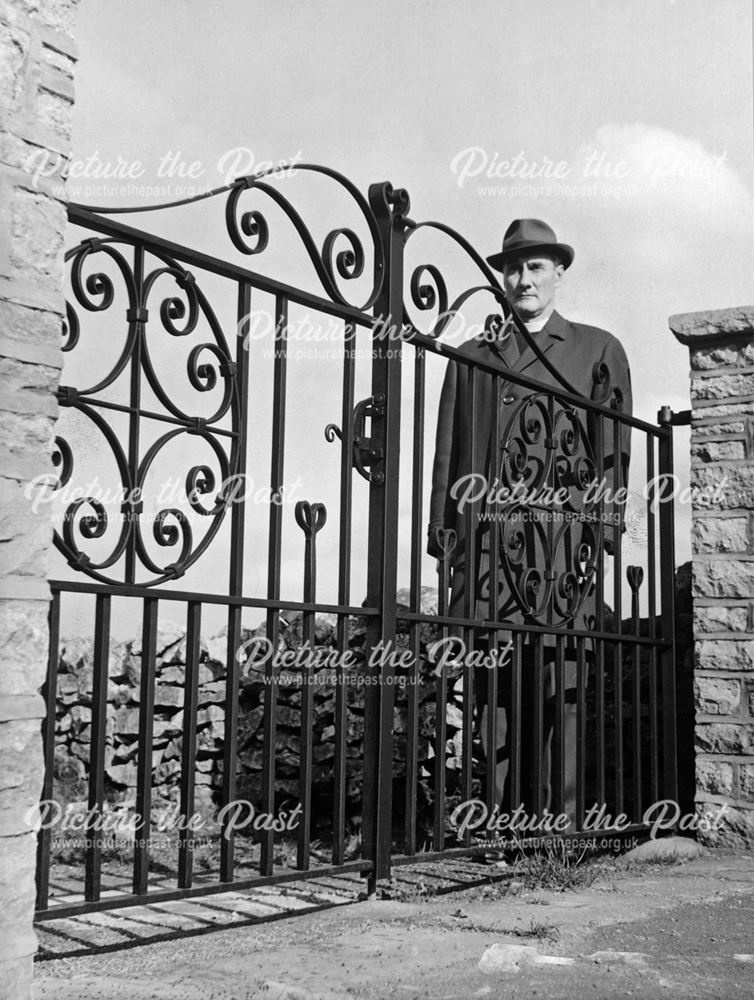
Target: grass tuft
(542, 930)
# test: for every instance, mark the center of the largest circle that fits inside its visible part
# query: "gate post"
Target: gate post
(35, 118)
(721, 355)
(389, 207)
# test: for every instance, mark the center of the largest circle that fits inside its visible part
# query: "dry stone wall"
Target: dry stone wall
(73, 720)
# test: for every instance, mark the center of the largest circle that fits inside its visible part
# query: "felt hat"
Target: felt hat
(527, 236)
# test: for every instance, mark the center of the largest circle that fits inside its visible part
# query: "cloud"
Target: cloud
(672, 186)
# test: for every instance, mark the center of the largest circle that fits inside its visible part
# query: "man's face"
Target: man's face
(530, 284)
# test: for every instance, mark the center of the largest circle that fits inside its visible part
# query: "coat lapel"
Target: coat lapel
(553, 332)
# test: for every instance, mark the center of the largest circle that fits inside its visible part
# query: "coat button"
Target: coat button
(508, 400)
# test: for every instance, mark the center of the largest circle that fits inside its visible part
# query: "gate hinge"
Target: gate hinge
(364, 456)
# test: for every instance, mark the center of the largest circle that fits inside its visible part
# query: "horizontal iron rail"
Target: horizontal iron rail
(423, 340)
(62, 910)
(189, 423)
(123, 590)
(227, 600)
(485, 625)
(129, 234)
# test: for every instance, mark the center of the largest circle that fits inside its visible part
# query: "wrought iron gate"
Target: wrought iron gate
(625, 713)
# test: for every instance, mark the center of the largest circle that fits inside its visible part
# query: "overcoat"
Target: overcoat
(544, 443)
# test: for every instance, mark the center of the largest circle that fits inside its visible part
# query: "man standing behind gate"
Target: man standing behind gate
(593, 364)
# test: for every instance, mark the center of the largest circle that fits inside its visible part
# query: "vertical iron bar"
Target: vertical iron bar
(134, 414)
(558, 747)
(51, 700)
(515, 728)
(100, 673)
(493, 670)
(580, 734)
(188, 746)
(599, 709)
(490, 764)
(344, 596)
(599, 668)
(143, 828)
(307, 707)
(618, 611)
(387, 206)
(667, 598)
(235, 583)
(537, 768)
(441, 698)
(654, 747)
(412, 674)
(273, 580)
(471, 589)
(635, 581)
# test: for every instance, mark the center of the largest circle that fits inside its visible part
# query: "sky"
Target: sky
(627, 126)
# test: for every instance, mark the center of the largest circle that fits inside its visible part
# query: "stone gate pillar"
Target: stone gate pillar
(721, 347)
(37, 55)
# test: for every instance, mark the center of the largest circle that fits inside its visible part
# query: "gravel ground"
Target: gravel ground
(680, 930)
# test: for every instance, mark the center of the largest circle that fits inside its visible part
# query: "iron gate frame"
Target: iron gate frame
(378, 460)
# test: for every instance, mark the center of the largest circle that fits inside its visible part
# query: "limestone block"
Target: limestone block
(724, 737)
(746, 781)
(733, 828)
(23, 625)
(722, 386)
(718, 451)
(36, 248)
(720, 534)
(720, 618)
(723, 489)
(720, 412)
(717, 356)
(54, 112)
(712, 429)
(26, 443)
(23, 769)
(717, 695)
(715, 777)
(725, 654)
(693, 328)
(723, 578)
(15, 44)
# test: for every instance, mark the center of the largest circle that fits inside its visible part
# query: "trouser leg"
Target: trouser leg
(499, 748)
(501, 736)
(550, 756)
(499, 729)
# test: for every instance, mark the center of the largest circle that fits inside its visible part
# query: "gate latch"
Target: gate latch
(363, 454)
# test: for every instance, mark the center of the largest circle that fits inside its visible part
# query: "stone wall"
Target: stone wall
(37, 56)
(721, 346)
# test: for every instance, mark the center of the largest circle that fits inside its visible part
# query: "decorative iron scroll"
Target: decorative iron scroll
(209, 486)
(549, 513)
(342, 255)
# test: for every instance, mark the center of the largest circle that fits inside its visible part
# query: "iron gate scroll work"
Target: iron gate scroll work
(555, 438)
